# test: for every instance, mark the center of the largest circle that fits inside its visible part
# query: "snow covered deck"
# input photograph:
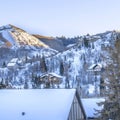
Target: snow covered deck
(43, 104)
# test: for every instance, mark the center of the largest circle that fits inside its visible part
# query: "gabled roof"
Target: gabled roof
(51, 74)
(95, 67)
(13, 62)
(43, 104)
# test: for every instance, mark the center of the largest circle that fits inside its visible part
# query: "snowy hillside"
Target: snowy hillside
(80, 63)
(85, 61)
(11, 36)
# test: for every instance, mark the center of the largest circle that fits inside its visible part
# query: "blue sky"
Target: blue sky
(61, 17)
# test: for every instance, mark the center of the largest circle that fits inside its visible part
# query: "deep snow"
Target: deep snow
(44, 104)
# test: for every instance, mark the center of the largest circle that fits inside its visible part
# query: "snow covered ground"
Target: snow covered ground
(90, 105)
(44, 104)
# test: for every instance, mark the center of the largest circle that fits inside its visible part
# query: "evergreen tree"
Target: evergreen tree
(67, 83)
(61, 68)
(2, 84)
(4, 64)
(86, 42)
(26, 58)
(26, 85)
(111, 105)
(43, 65)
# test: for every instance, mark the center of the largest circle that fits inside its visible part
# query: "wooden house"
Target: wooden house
(13, 64)
(42, 104)
(50, 79)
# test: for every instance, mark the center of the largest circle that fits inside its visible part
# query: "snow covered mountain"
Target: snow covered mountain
(81, 61)
(12, 36)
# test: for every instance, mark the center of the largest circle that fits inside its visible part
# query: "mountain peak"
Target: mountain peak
(8, 26)
(16, 36)
(15, 27)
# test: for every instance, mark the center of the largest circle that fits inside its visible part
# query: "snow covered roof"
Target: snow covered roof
(95, 67)
(43, 104)
(14, 60)
(90, 106)
(11, 64)
(52, 74)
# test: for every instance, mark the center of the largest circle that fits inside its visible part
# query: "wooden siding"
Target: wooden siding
(77, 112)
